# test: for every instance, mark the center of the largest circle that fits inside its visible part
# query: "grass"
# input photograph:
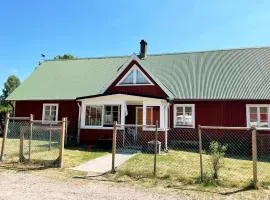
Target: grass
(181, 167)
(41, 153)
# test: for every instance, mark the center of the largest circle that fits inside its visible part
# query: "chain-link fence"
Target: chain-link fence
(228, 156)
(263, 151)
(31, 141)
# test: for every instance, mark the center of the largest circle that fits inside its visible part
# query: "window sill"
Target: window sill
(99, 127)
(188, 127)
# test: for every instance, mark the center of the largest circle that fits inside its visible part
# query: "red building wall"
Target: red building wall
(210, 113)
(67, 109)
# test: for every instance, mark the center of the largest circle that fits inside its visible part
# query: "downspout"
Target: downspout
(79, 123)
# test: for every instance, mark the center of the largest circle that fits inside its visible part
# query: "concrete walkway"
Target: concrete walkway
(104, 164)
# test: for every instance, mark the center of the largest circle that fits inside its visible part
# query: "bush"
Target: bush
(217, 153)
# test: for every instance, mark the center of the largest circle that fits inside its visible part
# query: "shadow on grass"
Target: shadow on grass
(103, 178)
(22, 167)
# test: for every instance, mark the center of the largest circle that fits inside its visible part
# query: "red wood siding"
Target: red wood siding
(90, 136)
(67, 109)
(148, 90)
(218, 113)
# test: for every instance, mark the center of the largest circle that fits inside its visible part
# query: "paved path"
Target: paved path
(103, 164)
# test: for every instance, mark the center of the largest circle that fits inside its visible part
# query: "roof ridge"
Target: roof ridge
(206, 51)
(160, 54)
(87, 58)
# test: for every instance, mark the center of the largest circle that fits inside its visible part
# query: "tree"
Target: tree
(64, 57)
(9, 86)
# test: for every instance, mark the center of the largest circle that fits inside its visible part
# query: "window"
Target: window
(112, 113)
(50, 112)
(258, 115)
(184, 115)
(135, 77)
(93, 116)
(149, 115)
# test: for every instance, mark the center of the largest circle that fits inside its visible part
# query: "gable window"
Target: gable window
(135, 77)
(50, 112)
(258, 115)
(112, 113)
(93, 115)
(184, 116)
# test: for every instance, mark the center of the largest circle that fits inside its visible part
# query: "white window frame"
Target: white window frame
(175, 111)
(258, 114)
(43, 111)
(134, 67)
(83, 112)
(119, 112)
(93, 105)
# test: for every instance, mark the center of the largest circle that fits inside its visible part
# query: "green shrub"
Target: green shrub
(217, 153)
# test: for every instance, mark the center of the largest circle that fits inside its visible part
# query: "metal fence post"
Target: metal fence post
(62, 142)
(200, 150)
(114, 146)
(30, 135)
(156, 145)
(4, 137)
(254, 157)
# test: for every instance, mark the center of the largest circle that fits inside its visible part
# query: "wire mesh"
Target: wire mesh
(41, 145)
(227, 156)
(135, 148)
(33, 142)
(12, 146)
(263, 152)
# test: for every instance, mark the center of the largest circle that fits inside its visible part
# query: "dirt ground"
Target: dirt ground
(21, 185)
(28, 186)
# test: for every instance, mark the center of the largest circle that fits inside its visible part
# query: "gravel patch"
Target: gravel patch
(26, 186)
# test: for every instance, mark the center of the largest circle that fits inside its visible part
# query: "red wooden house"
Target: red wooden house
(180, 90)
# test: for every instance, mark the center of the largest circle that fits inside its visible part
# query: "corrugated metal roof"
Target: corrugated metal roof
(222, 74)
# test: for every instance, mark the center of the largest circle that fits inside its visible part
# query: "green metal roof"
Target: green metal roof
(222, 74)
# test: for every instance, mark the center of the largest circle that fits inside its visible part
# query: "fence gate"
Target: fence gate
(33, 141)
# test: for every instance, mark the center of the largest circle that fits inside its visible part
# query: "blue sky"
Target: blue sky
(87, 28)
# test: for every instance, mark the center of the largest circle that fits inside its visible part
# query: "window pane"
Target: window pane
(149, 116)
(253, 115)
(140, 79)
(53, 108)
(93, 115)
(47, 108)
(179, 116)
(112, 114)
(128, 79)
(263, 117)
(188, 116)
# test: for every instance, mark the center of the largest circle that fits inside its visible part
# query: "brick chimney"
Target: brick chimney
(143, 49)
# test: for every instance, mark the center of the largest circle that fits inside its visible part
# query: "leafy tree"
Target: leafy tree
(9, 86)
(64, 57)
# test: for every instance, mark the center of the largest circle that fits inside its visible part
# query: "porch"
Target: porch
(136, 117)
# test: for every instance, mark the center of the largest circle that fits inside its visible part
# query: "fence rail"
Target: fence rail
(230, 156)
(33, 141)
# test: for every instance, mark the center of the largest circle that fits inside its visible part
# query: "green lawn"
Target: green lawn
(43, 151)
(183, 167)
